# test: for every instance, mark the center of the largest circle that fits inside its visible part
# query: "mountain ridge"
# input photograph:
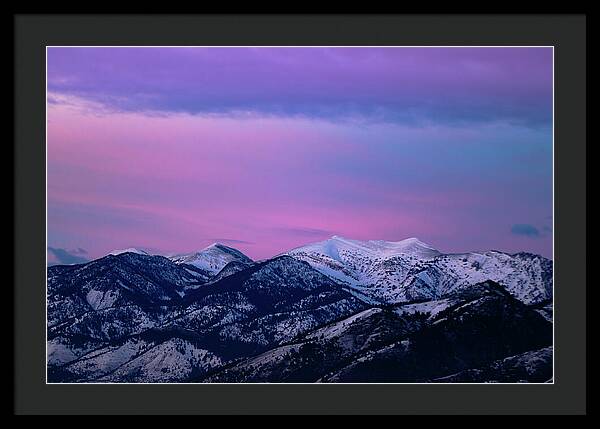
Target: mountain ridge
(408, 269)
(212, 258)
(134, 317)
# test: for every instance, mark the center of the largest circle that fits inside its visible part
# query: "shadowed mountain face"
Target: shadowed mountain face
(405, 343)
(132, 311)
(533, 366)
(217, 316)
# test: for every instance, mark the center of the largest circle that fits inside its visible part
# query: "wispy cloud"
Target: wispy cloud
(231, 241)
(59, 256)
(525, 230)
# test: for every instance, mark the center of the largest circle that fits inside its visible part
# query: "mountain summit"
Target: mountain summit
(409, 246)
(340, 310)
(212, 258)
(129, 250)
(400, 271)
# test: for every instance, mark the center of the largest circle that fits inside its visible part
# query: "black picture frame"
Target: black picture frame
(567, 33)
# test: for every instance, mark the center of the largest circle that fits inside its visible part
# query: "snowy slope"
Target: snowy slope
(132, 317)
(343, 249)
(409, 270)
(527, 277)
(404, 343)
(340, 327)
(212, 258)
(304, 315)
(173, 360)
(351, 261)
(129, 250)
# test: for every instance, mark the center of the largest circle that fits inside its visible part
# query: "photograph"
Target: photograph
(299, 214)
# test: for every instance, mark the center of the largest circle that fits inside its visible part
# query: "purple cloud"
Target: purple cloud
(407, 85)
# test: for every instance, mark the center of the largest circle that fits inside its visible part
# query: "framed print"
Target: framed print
(302, 214)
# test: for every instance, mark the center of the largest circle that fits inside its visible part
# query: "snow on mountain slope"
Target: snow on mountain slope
(108, 321)
(404, 343)
(527, 277)
(129, 250)
(95, 293)
(137, 317)
(104, 360)
(342, 249)
(431, 308)
(336, 329)
(409, 270)
(173, 360)
(268, 302)
(212, 258)
(351, 261)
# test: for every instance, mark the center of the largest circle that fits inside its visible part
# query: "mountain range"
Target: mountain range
(340, 310)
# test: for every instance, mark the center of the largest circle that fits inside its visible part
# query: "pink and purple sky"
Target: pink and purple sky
(266, 149)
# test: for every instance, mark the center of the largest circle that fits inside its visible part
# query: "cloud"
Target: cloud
(58, 256)
(525, 230)
(407, 85)
(231, 241)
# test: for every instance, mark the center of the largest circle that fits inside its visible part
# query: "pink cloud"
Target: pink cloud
(178, 182)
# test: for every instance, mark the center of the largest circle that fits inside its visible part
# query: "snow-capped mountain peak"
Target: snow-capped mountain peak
(211, 258)
(410, 246)
(374, 248)
(301, 316)
(129, 250)
(409, 269)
